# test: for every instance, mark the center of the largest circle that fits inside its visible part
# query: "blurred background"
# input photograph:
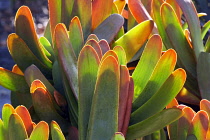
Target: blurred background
(8, 9)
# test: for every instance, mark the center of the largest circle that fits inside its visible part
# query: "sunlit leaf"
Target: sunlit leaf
(118, 136)
(161, 98)
(158, 121)
(133, 40)
(121, 55)
(56, 132)
(96, 46)
(104, 46)
(17, 128)
(88, 64)
(103, 117)
(41, 131)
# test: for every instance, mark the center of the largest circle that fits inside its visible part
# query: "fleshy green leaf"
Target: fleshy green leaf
(103, 117)
(66, 11)
(88, 64)
(54, 13)
(161, 98)
(161, 72)
(100, 11)
(176, 36)
(133, 40)
(143, 71)
(23, 56)
(25, 29)
(190, 14)
(7, 111)
(66, 57)
(92, 36)
(184, 123)
(205, 29)
(2, 131)
(199, 125)
(13, 81)
(118, 136)
(203, 68)
(153, 123)
(49, 49)
(83, 9)
(76, 35)
(16, 129)
(108, 53)
(121, 55)
(56, 131)
(41, 131)
(109, 28)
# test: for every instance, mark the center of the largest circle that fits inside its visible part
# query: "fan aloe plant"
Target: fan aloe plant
(77, 73)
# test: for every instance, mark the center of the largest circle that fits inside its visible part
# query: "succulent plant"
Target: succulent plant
(18, 125)
(78, 73)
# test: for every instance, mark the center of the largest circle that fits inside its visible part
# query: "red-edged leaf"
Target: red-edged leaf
(104, 46)
(100, 11)
(96, 46)
(41, 131)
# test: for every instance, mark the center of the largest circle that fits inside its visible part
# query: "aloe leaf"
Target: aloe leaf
(23, 56)
(100, 11)
(199, 125)
(165, 66)
(138, 10)
(56, 132)
(203, 67)
(143, 72)
(26, 118)
(41, 131)
(88, 63)
(7, 111)
(44, 107)
(109, 28)
(13, 81)
(76, 35)
(121, 54)
(66, 56)
(2, 131)
(104, 46)
(16, 128)
(123, 96)
(153, 123)
(103, 124)
(184, 123)
(161, 98)
(190, 14)
(118, 136)
(81, 7)
(49, 49)
(96, 46)
(133, 38)
(92, 36)
(177, 38)
(25, 29)
(129, 107)
(205, 29)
